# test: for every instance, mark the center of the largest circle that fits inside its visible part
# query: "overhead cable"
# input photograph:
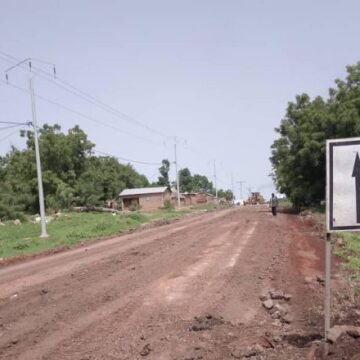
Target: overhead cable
(76, 112)
(87, 97)
(10, 127)
(125, 159)
(9, 135)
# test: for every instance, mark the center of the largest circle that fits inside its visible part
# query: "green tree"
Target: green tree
(298, 155)
(185, 180)
(104, 179)
(201, 183)
(226, 194)
(163, 179)
(72, 175)
(63, 159)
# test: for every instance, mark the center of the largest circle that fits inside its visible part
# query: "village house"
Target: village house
(174, 198)
(147, 199)
(194, 199)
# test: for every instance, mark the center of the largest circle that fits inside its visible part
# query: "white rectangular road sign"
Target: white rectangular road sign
(343, 185)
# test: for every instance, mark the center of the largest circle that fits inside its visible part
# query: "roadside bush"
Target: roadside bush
(62, 199)
(138, 217)
(134, 206)
(10, 213)
(168, 205)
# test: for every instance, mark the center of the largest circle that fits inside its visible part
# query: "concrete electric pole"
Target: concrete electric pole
(232, 186)
(177, 176)
(216, 191)
(38, 161)
(241, 184)
(44, 233)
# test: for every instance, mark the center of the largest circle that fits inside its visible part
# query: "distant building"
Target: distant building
(194, 199)
(147, 199)
(190, 199)
(174, 198)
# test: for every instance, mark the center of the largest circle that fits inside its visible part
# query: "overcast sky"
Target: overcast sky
(216, 74)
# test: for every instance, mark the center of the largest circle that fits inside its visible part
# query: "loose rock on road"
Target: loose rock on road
(193, 289)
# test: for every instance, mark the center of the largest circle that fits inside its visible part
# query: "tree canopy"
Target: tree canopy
(72, 175)
(298, 155)
(200, 183)
(163, 179)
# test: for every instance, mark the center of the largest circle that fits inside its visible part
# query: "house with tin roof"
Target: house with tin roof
(147, 199)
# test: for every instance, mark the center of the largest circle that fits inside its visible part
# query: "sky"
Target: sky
(217, 75)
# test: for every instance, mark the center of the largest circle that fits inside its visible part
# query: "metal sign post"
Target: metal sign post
(342, 200)
(327, 284)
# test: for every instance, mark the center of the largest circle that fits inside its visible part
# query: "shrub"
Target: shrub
(134, 206)
(168, 205)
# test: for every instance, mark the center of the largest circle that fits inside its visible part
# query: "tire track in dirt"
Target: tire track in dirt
(143, 299)
(215, 256)
(175, 294)
(38, 273)
(95, 288)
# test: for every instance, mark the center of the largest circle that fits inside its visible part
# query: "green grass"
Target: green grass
(285, 203)
(350, 251)
(321, 208)
(73, 228)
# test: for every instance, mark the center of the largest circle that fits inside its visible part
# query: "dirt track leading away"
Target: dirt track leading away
(187, 290)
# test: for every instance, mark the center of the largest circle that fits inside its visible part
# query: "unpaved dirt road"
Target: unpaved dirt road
(186, 290)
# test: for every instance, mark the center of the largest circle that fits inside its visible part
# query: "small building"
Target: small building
(190, 199)
(194, 199)
(174, 198)
(211, 199)
(147, 199)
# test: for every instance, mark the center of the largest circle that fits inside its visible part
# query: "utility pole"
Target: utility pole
(232, 185)
(241, 184)
(177, 176)
(44, 233)
(38, 161)
(216, 192)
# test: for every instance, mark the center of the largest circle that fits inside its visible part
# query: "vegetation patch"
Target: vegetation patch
(298, 154)
(349, 251)
(72, 228)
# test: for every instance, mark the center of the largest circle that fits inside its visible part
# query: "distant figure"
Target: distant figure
(273, 203)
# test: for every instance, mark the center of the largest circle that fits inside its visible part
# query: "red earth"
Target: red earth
(181, 291)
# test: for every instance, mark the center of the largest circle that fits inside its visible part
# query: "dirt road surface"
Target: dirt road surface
(186, 290)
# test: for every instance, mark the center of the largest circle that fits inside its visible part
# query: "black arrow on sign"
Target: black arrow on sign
(356, 175)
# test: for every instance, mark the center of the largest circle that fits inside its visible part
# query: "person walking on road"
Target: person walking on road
(274, 203)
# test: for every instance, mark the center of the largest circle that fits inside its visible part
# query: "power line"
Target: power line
(9, 127)
(14, 123)
(68, 87)
(87, 97)
(76, 112)
(93, 100)
(9, 135)
(125, 159)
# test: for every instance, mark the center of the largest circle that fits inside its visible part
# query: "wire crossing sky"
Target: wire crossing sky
(135, 74)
